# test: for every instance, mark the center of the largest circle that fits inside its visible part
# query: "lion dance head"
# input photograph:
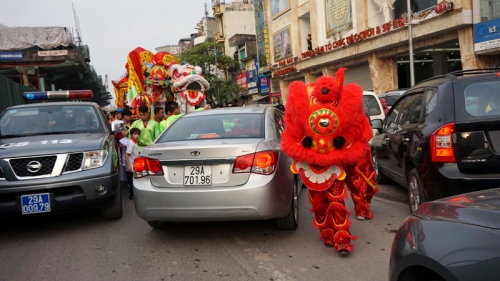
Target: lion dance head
(326, 129)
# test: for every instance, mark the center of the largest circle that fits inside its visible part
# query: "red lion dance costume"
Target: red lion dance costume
(327, 135)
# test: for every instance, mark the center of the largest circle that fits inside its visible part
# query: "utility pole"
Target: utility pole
(410, 43)
(215, 48)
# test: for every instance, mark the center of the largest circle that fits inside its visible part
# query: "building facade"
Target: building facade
(371, 39)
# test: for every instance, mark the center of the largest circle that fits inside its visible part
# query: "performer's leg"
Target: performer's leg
(360, 183)
(331, 217)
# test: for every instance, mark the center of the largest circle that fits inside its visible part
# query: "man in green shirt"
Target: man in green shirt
(174, 113)
(150, 129)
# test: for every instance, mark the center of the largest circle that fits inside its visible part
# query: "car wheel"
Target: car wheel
(414, 187)
(156, 224)
(114, 211)
(291, 221)
(380, 178)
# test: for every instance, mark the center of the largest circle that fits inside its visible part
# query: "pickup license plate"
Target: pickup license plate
(35, 203)
(197, 175)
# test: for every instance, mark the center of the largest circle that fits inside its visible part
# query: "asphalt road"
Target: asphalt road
(82, 246)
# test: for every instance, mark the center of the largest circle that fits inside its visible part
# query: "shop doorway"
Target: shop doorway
(429, 62)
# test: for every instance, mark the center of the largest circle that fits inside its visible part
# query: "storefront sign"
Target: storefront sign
(284, 71)
(251, 79)
(253, 91)
(487, 35)
(264, 85)
(11, 55)
(263, 50)
(241, 80)
(53, 53)
(426, 14)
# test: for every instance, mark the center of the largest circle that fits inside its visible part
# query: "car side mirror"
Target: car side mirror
(377, 124)
(117, 126)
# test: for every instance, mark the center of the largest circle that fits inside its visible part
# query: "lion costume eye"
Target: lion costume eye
(323, 121)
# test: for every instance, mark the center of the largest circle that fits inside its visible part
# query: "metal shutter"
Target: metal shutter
(359, 74)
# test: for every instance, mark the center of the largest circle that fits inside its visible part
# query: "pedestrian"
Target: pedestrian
(127, 119)
(130, 156)
(309, 42)
(111, 117)
(159, 114)
(120, 147)
(118, 114)
(174, 111)
(150, 129)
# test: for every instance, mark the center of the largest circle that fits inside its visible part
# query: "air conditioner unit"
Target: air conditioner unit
(219, 37)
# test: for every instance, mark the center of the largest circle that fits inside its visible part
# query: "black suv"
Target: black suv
(442, 137)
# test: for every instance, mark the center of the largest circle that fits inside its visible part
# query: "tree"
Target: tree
(203, 55)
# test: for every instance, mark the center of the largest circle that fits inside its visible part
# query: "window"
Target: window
(50, 120)
(215, 127)
(390, 124)
(489, 9)
(279, 122)
(483, 98)
(430, 101)
(410, 111)
(416, 109)
(371, 105)
(275, 85)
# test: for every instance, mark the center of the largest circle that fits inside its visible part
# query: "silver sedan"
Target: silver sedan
(218, 165)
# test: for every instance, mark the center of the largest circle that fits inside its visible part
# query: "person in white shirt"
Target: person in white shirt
(130, 155)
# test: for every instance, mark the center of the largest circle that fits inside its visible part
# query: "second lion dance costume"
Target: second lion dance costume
(327, 134)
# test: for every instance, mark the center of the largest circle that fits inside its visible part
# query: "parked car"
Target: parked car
(442, 137)
(373, 108)
(58, 156)
(452, 239)
(391, 96)
(218, 165)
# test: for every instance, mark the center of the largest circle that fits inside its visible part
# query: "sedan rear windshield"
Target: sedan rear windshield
(217, 126)
(482, 99)
(47, 120)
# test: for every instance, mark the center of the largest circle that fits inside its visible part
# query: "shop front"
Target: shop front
(377, 56)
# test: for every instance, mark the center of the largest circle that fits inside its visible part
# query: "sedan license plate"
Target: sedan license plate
(35, 203)
(197, 175)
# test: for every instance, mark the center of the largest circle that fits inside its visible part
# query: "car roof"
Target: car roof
(232, 110)
(469, 74)
(58, 103)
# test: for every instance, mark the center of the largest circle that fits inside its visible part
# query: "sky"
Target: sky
(111, 28)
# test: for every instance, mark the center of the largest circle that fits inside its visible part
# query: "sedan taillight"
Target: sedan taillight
(263, 162)
(442, 144)
(144, 167)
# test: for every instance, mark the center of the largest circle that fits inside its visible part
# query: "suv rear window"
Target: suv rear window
(482, 99)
